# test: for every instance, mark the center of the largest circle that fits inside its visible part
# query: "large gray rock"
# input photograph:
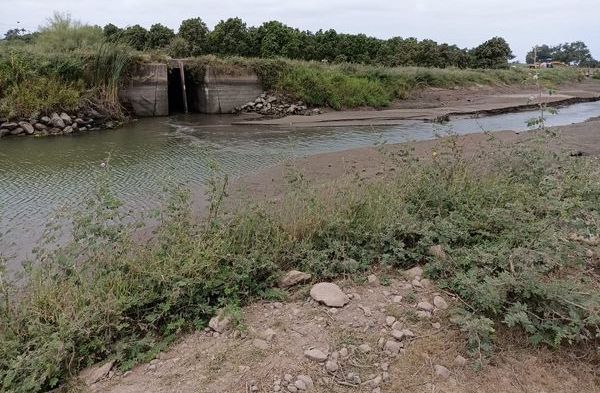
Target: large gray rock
(9, 125)
(293, 277)
(329, 294)
(27, 127)
(440, 303)
(56, 121)
(66, 118)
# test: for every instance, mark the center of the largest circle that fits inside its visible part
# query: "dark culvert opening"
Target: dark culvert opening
(176, 103)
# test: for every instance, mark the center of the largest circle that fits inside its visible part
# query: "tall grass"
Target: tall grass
(515, 230)
(352, 85)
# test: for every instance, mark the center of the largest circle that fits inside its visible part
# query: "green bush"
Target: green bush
(40, 96)
(515, 236)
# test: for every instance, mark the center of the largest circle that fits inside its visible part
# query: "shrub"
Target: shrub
(40, 95)
(515, 232)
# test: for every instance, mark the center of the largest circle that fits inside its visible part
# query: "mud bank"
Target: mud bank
(439, 104)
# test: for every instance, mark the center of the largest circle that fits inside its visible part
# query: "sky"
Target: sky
(466, 23)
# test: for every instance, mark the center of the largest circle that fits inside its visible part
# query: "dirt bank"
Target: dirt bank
(268, 352)
(433, 104)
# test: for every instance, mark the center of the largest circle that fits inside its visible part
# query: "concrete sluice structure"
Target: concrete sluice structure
(159, 89)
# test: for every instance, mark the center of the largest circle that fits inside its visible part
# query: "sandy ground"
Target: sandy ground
(432, 104)
(266, 353)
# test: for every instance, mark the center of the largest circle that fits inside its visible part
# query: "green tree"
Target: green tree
(136, 36)
(494, 53)
(276, 39)
(112, 33)
(539, 53)
(231, 38)
(195, 34)
(159, 36)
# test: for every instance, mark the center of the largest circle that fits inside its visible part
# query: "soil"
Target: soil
(252, 358)
(249, 357)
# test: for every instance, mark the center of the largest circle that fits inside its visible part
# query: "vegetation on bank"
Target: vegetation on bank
(67, 66)
(519, 232)
(353, 85)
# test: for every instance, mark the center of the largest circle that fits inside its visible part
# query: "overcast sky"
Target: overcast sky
(466, 23)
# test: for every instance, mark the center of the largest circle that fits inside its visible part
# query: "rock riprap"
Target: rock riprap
(329, 294)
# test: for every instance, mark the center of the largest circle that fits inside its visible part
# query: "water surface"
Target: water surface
(42, 176)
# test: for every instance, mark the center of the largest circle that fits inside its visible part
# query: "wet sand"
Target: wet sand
(576, 139)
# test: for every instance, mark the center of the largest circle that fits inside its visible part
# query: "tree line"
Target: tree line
(570, 53)
(233, 37)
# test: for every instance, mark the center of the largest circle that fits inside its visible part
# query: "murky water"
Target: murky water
(41, 176)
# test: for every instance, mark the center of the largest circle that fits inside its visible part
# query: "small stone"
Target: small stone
(426, 283)
(293, 277)
(331, 366)
(423, 314)
(95, 373)
(376, 390)
(437, 251)
(417, 283)
(292, 388)
(442, 371)
(392, 346)
(385, 366)
(354, 378)
(307, 381)
(413, 273)
(315, 355)
(436, 325)
(397, 299)
(459, 360)
(385, 376)
(268, 334)
(344, 352)
(375, 382)
(440, 303)
(288, 378)
(260, 344)
(373, 280)
(219, 323)
(389, 320)
(398, 334)
(364, 348)
(300, 385)
(329, 294)
(425, 306)
(366, 311)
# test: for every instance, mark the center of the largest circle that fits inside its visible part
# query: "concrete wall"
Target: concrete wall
(147, 90)
(222, 93)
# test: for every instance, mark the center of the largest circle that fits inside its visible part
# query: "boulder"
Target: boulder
(329, 294)
(68, 130)
(27, 127)
(17, 131)
(66, 118)
(293, 277)
(40, 126)
(9, 125)
(425, 306)
(57, 122)
(46, 120)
